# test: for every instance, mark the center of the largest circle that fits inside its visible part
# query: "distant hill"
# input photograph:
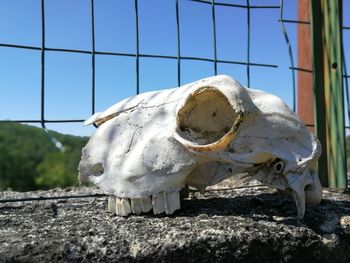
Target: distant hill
(30, 161)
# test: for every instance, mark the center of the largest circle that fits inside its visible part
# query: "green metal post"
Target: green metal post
(328, 90)
(318, 87)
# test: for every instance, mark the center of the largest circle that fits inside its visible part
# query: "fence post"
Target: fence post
(305, 89)
(326, 18)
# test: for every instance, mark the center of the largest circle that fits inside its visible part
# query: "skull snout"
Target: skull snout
(89, 168)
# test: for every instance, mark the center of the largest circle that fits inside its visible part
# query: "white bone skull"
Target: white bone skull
(150, 146)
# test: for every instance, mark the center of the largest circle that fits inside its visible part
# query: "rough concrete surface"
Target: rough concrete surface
(241, 225)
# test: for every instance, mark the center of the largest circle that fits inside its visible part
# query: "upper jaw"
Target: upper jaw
(83, 171)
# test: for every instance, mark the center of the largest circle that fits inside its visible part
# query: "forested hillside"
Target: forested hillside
(29, 160)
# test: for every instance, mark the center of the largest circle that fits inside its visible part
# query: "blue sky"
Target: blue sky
(68, 76)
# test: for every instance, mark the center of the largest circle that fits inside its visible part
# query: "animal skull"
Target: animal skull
(150, 146)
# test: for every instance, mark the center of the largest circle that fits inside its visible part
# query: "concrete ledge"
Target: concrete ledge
(242, 225)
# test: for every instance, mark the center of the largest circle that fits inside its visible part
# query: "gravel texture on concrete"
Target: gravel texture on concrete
(251, 224)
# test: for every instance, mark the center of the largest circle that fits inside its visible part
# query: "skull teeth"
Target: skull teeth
(160, 203)
(123, 207)
(172, 202)
(136, 206)
(111, 204)
(146, 204)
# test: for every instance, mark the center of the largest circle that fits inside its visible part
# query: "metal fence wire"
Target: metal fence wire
(137, 55)
(248, 63)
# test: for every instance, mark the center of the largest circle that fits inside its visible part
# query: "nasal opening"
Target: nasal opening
(98, 169)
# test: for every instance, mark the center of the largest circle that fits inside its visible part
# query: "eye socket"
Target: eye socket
(278, 166)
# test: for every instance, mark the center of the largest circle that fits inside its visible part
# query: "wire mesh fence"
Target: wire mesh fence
(137, 55)
(248, 63)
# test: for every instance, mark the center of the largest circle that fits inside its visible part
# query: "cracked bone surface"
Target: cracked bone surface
(150, 146)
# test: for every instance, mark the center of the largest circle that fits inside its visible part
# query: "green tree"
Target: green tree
(29, 160)
(56, 170)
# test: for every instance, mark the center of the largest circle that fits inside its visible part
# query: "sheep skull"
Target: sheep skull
(150, 146)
